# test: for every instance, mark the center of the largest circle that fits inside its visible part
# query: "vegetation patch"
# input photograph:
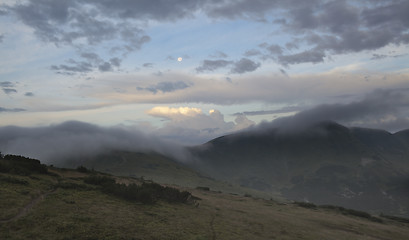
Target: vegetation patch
(21, 165)
(352, 212)
(147, 193)
(395, 218)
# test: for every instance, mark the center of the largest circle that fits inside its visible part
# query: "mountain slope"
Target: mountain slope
(326, 163)
(65, 206)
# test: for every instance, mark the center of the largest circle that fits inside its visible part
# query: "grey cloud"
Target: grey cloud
(75, 67)
(147, 65)
(313, 56)
(273, 49)
(1, 38)
(105, 67)
(146, 10)
(252, 52)
(165, 87)
(287, 109)
(219, 54)
(378, 56)
(6, 84)
(29, 94)
(11, 109)
(9, 90)
(244, 65)
(91, 62)
(211, 65)
(115, 62)
(283, 72)
(56, 143)
(379, 109)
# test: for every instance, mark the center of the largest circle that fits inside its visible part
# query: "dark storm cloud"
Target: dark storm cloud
(165, 87)
(244, 65)
(11, 109)
(211, 65)
(56, 143)
(385, 109)
(9, 90)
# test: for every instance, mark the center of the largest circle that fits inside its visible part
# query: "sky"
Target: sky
(187, 71)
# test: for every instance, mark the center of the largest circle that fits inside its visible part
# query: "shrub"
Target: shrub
(82, 169)
(21, 165)
(306, 205)
(203, 188)
(395, 218)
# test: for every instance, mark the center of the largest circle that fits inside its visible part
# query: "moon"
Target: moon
(180, 59)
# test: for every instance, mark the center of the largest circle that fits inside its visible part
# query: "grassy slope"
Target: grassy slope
(161, 169)
(87, 213)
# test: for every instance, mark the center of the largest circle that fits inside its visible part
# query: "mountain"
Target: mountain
(326, 163)
(40, 202)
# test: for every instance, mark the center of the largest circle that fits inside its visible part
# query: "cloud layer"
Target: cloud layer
(74, 139)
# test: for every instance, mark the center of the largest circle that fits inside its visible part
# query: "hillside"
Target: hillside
(326, 163)
(62, 204)
(161, 169)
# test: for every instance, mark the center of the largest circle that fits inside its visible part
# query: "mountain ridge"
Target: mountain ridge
(325, 163)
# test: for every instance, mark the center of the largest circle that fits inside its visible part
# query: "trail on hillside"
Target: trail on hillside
(24, 211)
(212, 227)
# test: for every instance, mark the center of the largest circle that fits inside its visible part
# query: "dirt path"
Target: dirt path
(23, 212)
(212, 228)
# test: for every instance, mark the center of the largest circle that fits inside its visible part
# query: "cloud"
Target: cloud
(174, 113)
(6, 84)
(311, 56)
(244, 65)
(287, 109)
(9, 90)
(318, 28)
(211, 65)
(56, 143)
(1, 38)
(165, 87)
(241, 66)
(29, 94)
(148, 65)
(219, 54)
(12, 109)
(191, 126)
(91, 62)
(323, 27)
(384, 109)
(252, 53)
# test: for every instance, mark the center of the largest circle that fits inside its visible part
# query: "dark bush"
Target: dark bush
(21, 165)
(306, 205)
(147, 193)
(203, 188)
(395, 218)
(99, 180)
(83, 169)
